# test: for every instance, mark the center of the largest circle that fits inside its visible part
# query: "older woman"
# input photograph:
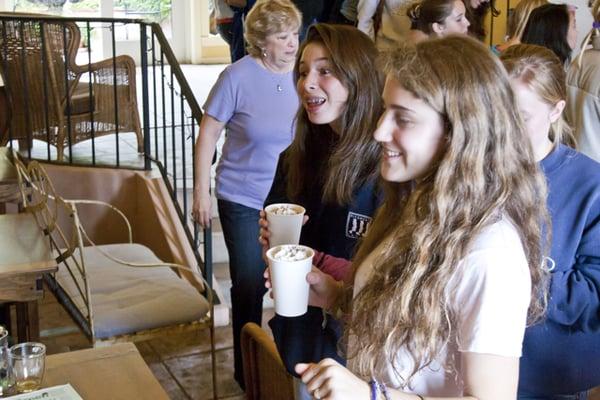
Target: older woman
(255, 100)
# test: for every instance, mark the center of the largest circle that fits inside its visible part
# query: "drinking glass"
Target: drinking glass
(27, 363)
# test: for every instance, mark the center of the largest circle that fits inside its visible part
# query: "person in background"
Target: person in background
(240, 8)
(477, 10)
(312, 11)
(223, 16)
(330, 168)
(340, 12)
(348, 13)
(255, 99)
(552, 26)
(452, 266)
(385, 21)
(437, 18)
(517, 22)
(583, 84)
(561, 355)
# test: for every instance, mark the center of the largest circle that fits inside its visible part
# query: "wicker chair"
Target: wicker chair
(37, 64)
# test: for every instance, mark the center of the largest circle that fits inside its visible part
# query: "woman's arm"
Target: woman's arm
(485, 377)
(339, 268)
(210, 130)
(490, 377)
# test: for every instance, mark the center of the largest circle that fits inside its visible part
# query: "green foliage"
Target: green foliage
(86, 5)
(157, 6)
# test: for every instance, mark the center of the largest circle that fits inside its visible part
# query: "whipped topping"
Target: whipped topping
(290, 253)
(284, 209)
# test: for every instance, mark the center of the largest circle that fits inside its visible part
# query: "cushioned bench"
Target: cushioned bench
(126, 300)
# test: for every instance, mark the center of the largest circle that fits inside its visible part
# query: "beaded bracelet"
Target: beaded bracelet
(374, 389)
(383, 390)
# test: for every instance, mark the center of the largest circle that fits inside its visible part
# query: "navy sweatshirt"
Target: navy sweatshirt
(332, 229)
(561, 355)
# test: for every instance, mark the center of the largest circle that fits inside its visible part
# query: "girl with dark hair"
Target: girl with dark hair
(476, 12)
(437, 18)
(552, 26)
(331, 166)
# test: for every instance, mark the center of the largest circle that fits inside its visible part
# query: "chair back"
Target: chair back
(264, 373)
(34, 64)
(40, 199)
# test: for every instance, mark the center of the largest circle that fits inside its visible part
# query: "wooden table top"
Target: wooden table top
(116, 372)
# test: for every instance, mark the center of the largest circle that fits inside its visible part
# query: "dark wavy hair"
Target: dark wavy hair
(476, 17)
(548, 26)
(320, 157)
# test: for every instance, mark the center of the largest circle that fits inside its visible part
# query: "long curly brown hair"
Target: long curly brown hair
(486, 171)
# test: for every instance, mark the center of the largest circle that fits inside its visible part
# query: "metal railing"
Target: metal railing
(58, 93)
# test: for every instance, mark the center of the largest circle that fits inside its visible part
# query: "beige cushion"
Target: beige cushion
(127, 300)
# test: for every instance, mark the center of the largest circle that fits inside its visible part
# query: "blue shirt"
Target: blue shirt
(561, 355)
(258, 107)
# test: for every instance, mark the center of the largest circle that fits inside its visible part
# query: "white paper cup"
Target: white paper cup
(288, 280)
(284, 229)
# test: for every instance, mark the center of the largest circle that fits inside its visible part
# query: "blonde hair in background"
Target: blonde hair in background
(520, 16)
(486, 171)
(541, 70)
(268, 17)
(593, 36)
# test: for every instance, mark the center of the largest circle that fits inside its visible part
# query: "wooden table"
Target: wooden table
(25, 256)
(116, 372)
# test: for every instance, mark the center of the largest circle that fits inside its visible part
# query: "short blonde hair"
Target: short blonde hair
(520, 16)
(268, 17)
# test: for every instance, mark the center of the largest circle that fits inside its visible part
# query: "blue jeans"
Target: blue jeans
(246, 267)
(225, 31)
(576, 396)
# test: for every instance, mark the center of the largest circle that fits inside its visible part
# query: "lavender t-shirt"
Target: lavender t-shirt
(258, 107)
